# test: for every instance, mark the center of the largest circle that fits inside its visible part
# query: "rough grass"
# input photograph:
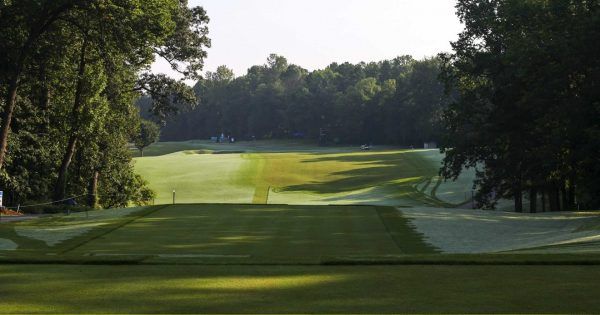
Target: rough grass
(298, 289)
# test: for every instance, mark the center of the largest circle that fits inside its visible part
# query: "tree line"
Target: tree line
(527, 113)
(70, 74)
(518, 98)
(396, 101)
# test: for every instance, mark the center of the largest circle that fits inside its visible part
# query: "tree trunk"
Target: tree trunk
(13, 82)
(563, 194)
(553, 198)
(517, 190)
(533, 200)
(9, 108)
(571, 191)
(93, 191)
(518, 201)
(543, 200)
(61, 182)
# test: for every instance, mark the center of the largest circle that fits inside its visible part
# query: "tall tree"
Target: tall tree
(22, 24)
(522, 111)
(70, 72)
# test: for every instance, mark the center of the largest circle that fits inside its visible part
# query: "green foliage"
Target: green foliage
(75, 69)
(393, 101)
(526, 112)
(148, 134)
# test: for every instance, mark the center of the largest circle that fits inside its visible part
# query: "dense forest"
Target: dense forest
(71, 71)
(527, 114)
(517, 98)
(397, 101)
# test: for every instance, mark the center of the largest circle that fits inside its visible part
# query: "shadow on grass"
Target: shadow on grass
(298, 289)
(263, 234)
(397, 172)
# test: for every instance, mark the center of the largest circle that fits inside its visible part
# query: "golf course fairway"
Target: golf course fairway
(276, 227)
(286, 174)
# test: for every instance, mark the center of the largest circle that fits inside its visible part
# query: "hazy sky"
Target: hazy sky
(314, 33)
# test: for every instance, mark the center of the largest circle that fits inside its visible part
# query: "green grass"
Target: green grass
(232, 258)
(230, 233)
(278, 258)
(298, 289)
(280, 172)
(59, 233)
(205, 146)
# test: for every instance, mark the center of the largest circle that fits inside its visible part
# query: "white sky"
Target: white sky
(315, 33)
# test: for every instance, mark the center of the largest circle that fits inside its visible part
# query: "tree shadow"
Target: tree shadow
(297, 289)
(401, 170)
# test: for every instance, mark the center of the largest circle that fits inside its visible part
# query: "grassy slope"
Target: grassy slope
(199, 177)
(295, 174)
(480, 231)
(298, 289)
(59, 233)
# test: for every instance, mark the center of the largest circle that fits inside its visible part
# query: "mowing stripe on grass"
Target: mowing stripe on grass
(111, 228)
(261, 194)
(406, 238)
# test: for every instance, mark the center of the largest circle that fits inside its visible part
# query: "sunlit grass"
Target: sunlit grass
(298, 289)
(297, 174)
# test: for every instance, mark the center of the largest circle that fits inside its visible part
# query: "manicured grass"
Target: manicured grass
(298, 289)
(231, 258)
(226, 233)
(296, 174)
(224, 178)
(162, 148)
(276, 258)
(267, 234)
(206, 146)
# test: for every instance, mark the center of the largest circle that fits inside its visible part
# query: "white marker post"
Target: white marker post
(173, 196)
